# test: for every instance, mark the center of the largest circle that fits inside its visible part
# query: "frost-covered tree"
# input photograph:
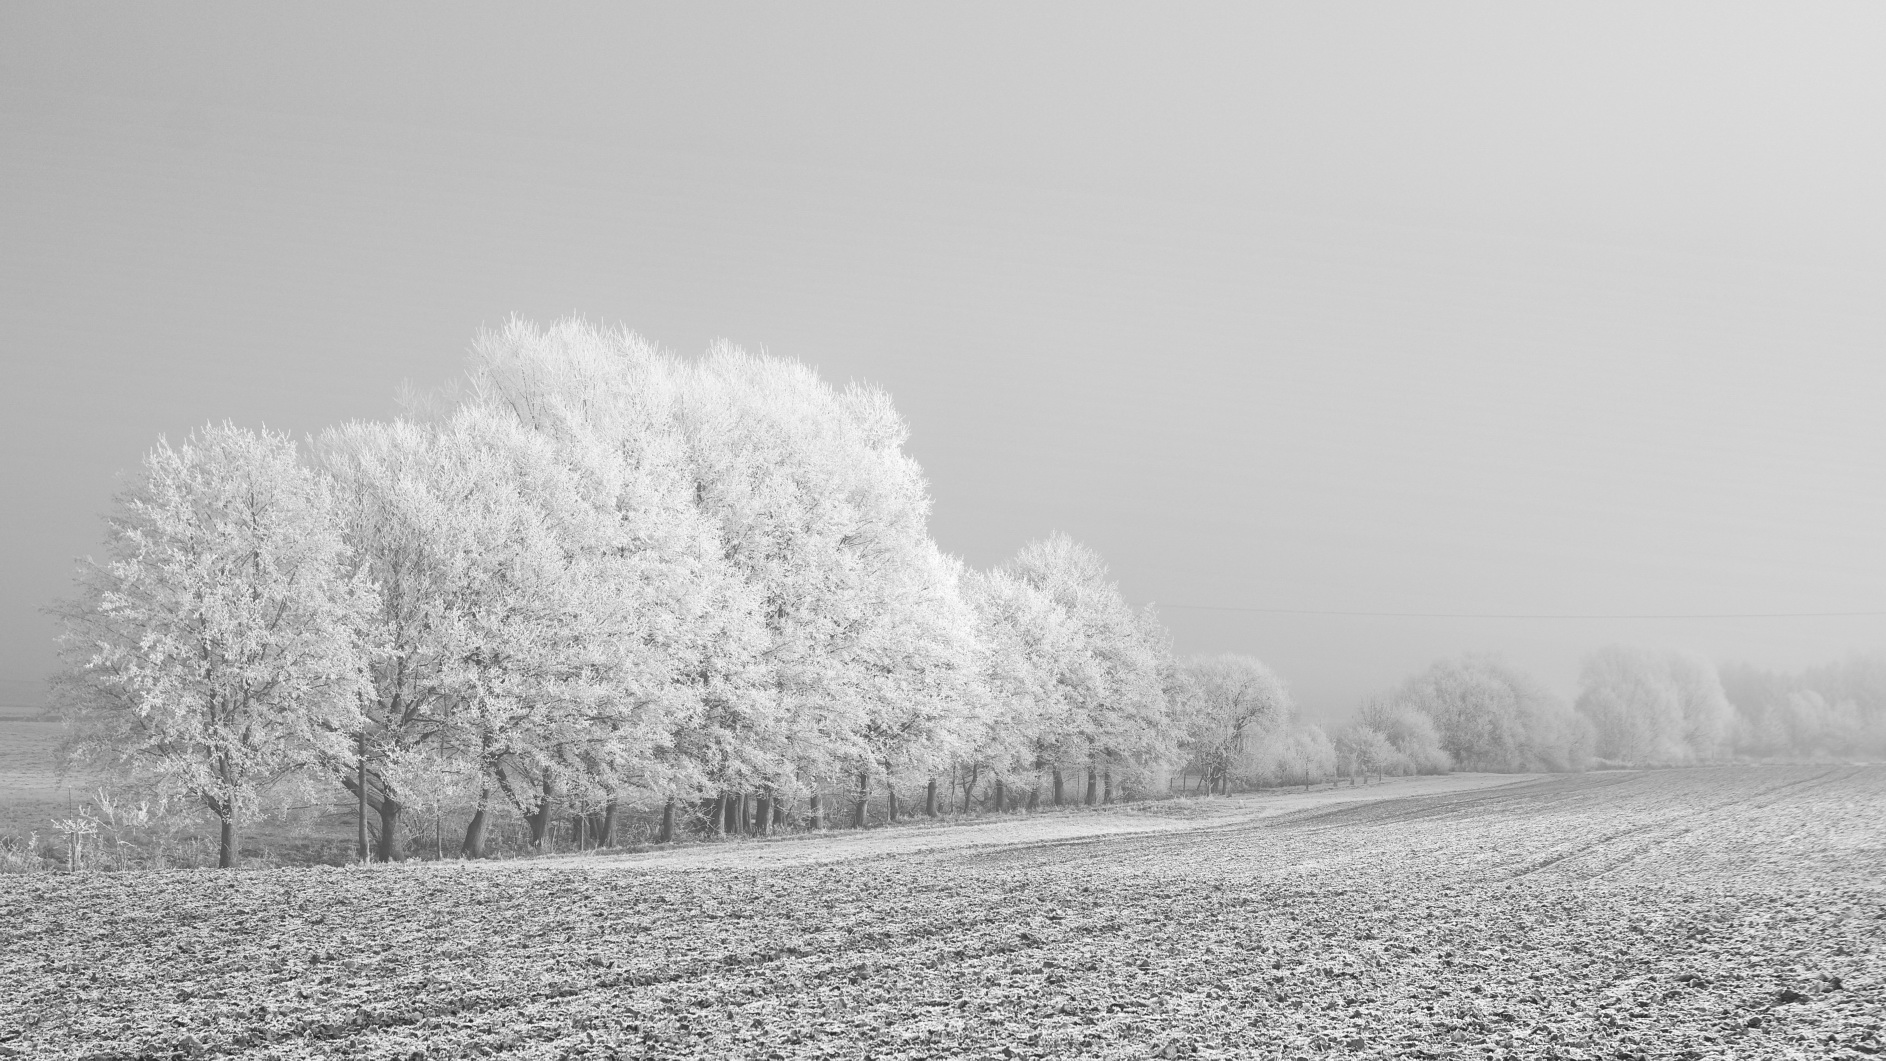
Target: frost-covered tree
(918, 670)
(1298, 754)
(1654, 707)
(1363, 749)
(1030, 647)
(1114, 677)
(397, 515)
(1229, 705)
(1837, 710)
(1491, 716)
(217, 646)
(684, 616)
(1411, 733)
(824, 515)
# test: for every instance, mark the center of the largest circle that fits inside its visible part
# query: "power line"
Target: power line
(1520, 615)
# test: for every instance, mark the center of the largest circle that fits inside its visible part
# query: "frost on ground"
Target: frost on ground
(1079, 823)
(1699, 913)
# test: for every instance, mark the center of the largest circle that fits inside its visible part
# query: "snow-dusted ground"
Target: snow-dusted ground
(1676, 914)
(918, 836)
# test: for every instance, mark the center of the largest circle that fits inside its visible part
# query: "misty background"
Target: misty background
(1353, 308)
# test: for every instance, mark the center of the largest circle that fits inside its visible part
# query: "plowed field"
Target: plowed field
(1699, 913)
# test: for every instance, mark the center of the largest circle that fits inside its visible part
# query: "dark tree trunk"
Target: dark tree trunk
(539, 819)
(227, 843)
(360, 791)
(746, 814)
(606, 836)
(1106, 786)
(1057, 786)
(730, 814)
(763, 814)
(1034, 797)
(929, 799)
(392, 842)
(998, 795)
(815, 812)
(969, 787)
(1093, 786)
(864, 793)
(474, 846)
(890, 791)
(667, 834)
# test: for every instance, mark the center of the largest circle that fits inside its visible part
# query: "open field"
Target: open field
(1702, 913)
(31, 792)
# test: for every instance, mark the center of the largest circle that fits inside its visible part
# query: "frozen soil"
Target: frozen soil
(1699, 913)
(917, 835)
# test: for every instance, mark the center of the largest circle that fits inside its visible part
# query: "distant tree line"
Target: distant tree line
(596, 576)
(1635, 707)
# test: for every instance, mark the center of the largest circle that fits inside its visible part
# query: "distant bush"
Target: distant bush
(1410, 733)
(1485, 715)
(1654, 708)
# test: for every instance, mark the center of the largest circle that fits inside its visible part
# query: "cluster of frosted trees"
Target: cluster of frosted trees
(1635, 707)
(1838, 709)
(596, 576)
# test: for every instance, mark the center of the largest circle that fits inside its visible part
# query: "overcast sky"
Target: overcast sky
(1485, 309)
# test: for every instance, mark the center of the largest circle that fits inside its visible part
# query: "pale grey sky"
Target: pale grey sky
(1385, 308)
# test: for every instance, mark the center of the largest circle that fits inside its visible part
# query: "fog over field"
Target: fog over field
(835, 530)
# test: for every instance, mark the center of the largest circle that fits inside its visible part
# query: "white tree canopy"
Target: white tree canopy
(1230, 706)
(218, 645)
(1654, 707)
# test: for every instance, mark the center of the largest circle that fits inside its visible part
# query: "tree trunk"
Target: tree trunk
(226, 847)
(606, 836)
(969, 787)
(539, 819)
(1093, 786)
(667, 834)
(474, 846)
(360, 790)
(815, 813)
(929, 799)
(1106, 786)
(730, 814)
(1000, 794)
(779, 814)
(1057, 786)
(890, 792)
(1034, 797)
(763, 814)
(864, 794)
(392, 843)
